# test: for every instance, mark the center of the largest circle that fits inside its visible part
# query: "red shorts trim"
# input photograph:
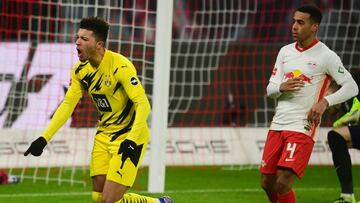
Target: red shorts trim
(287, 149)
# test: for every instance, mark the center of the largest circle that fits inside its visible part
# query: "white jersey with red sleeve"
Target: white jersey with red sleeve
(316, 64)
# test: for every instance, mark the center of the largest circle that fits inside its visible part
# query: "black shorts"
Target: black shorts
(355, 136)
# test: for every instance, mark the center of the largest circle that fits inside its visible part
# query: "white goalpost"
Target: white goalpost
(159, 121)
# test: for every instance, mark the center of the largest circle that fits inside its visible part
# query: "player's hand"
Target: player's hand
(36, 147)
(292, 84)
(129, 149)
(316, 111)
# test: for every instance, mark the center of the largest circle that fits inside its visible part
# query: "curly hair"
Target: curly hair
(97, 25)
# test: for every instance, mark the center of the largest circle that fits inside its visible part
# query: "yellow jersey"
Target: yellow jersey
(116, 92)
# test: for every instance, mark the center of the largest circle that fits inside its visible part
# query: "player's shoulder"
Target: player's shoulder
(325, 51)
(79, 66)
(119, 59)
(322, 47)
(288, 47)
(121, 63)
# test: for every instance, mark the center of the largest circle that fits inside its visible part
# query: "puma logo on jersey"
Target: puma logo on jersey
(263, 163)
(118, 172)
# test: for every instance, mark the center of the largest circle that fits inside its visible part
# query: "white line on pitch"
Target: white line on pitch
(168, 191)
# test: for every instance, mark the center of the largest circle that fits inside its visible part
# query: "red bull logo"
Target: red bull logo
(297, 74)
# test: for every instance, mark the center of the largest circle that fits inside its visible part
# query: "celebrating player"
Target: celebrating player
(346, 134)
(122, 134)
(298, 81)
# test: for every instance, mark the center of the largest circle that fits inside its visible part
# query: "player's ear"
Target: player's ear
(315, 27)
(100, 44)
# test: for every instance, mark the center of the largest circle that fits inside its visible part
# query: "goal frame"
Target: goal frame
(159, 118)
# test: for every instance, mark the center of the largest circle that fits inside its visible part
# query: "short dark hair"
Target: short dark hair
(315, 13)
(97, 25)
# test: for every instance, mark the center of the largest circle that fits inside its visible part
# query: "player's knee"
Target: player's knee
(96, 197)
(267, 183)
(282, 186)
(98, 182)
(284, 181)
(334, 139)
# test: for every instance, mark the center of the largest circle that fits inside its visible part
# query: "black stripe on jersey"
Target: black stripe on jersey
(88, 80)
(125, 129)
(121, 117)
(97, 86)
(125, 112)
(104, 123)
(117, 86)
(100, 116)
(80, 67)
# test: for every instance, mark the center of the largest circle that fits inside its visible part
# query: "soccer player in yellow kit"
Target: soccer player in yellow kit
(122, 134)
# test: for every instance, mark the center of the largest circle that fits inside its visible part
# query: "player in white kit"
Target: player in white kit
(299, 80)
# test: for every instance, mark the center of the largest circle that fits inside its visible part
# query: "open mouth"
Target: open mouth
(78, 51)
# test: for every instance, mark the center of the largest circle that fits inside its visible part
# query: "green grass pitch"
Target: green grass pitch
(185, 185)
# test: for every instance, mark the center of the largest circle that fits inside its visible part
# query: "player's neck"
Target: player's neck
(97, 58)
(306, 43)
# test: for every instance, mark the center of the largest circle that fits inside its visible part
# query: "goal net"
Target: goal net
(222, 56)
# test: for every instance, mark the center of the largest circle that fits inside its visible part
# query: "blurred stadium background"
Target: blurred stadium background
(222, 54)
